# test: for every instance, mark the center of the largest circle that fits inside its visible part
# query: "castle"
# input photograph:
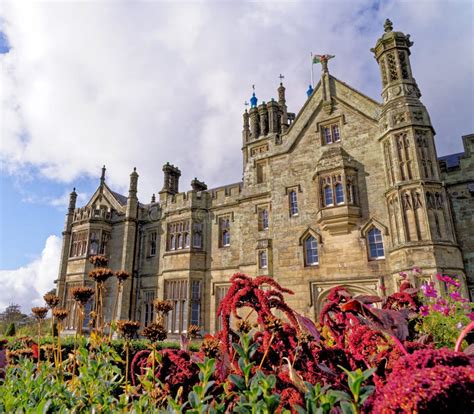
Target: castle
(347, 192)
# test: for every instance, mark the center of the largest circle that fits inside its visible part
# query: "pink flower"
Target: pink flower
(403, 275)
(429, 291)
(424, 310)
(470, 315)
(456, 296)
(416, 270)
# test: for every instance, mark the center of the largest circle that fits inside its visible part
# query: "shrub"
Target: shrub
(11, 330)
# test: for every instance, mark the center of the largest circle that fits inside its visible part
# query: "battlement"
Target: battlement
(225, 194)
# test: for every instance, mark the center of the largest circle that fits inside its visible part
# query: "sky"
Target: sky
(137, 84)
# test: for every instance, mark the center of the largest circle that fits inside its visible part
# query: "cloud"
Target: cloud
(27, 285)
(91, 83)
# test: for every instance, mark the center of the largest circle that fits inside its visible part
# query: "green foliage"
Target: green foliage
(11, 329)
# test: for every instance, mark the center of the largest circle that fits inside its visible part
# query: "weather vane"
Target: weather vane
(281, 77)
(246, 103)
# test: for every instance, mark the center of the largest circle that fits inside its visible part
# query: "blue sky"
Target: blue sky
(127, 84)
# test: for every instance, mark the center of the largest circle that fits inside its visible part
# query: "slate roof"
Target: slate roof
(119, 197)
(452, 160)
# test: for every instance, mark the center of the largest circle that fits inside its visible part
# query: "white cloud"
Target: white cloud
(27, 285)
(88, 83)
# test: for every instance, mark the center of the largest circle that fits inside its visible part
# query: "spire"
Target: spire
(102, 177)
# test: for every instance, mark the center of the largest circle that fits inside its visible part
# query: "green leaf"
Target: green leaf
(238, 381)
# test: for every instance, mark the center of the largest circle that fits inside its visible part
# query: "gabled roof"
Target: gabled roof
(113, 199)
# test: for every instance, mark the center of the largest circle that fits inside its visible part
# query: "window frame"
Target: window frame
(376, 243)
(224, 231)
(293, 203)
(306, 250)
(263, 259)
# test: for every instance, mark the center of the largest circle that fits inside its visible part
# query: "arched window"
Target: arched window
(186, 240)
(179, 241)
(375, 239)
(339, 194)
(328, 196)
(311, 251)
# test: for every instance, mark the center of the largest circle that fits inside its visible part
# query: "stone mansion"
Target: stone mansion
(348, 191)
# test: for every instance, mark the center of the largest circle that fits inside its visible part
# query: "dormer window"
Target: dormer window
(331, 134)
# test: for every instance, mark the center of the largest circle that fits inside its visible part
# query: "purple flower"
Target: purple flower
(456, 296)
(416, 270)
(424, 310)
(403, 275)
(470, 315)
(459, 325)
(429, 291)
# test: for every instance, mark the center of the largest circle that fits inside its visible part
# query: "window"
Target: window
(78, 243)
(375, 239)
(333, 191)
(197, 235)
(147, 307)
(262, 259)
(339, 194)
(178, 235)
(263, 219)
(311, 251)
(224, 228)
(328, 196)
(196, 302)
(176, 291)
(94, 243)
(104, 241)
(261, 172)
(331, 134)
(153, 243)
(293, 203)
(221, 292)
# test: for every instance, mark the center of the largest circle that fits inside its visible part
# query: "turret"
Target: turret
(171, 179)
(283, 108)
(132, 200)
(246, 129)
(66, 243)
(421, 227)
(263, 114)
(273, 117)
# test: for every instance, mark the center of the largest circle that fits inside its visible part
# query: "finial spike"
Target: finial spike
(102, 177)
(388, 26)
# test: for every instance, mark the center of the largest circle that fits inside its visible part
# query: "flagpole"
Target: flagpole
(312, 81)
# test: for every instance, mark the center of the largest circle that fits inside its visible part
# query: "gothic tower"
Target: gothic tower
(421, 226)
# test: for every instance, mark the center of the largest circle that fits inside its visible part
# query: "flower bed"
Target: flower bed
(396, 357)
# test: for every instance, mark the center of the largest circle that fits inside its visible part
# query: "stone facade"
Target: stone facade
(346, 192)
(457, 173)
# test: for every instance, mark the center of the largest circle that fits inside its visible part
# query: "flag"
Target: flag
(322, 58)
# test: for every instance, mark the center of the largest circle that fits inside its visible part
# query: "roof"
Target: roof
(119, 197)
(452, 160)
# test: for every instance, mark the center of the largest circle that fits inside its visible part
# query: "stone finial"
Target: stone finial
(153, 198)
(388, 26)
(102, 176)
